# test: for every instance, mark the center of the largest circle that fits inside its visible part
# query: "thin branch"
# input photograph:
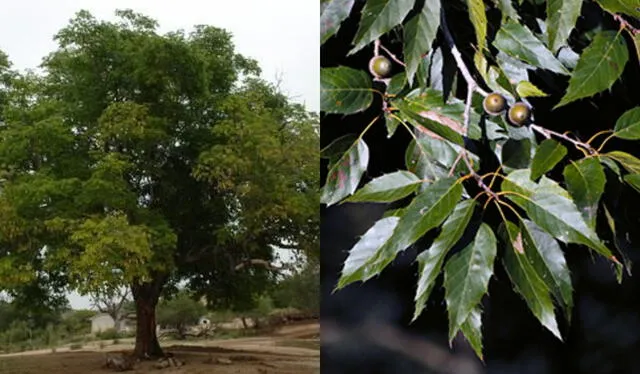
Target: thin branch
(625, 24)
(549, 133)
(393, 57)
(259, 262)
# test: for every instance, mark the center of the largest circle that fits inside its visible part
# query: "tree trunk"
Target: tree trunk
(145, 296)
(244, 322)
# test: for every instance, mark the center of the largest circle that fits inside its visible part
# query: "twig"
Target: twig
(393, 57)
(548, 133)
(376, 47)
(625, 24)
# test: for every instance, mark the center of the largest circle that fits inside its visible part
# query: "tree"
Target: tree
(112, 301)
(102, 158)
(180, 311)
(486, 184)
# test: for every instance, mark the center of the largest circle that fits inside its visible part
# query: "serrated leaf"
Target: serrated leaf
(478, 19)
(355, 267)
(585, 181)
(344, 90)
(436, 151)
(429, 120)
(345, 175)
(633, 180)
(378, 18)
(611, 164)
(612, 225)
(419, 34)
(519, 42)
(391, 122)
(397, 84)
(600, 64)
(472, 330)
(547, 156)
(561, 19)
(332, 14)
(568, 57)
(466, 277)
(430, 261)
(516, 154)
(338, 147)
(442, 72)
(554, 212)
(528, 89)
(628, 125)
(387, 188)
(628, 7)
(629, 162)
(527, 282)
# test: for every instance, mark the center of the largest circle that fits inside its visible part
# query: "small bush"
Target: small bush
(75, 346)
(108, 334)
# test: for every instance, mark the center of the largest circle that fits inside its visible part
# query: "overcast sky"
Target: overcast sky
(282, 35)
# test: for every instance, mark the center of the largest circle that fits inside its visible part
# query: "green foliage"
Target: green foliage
(504, 191)
(300, 290)
(180, 311)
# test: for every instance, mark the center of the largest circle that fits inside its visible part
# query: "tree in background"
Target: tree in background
(180, 311)
(112, 301)
(139, 160)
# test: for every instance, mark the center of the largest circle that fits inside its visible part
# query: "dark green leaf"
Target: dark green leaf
(344, 176)
(600, 64)
(332, 14)
(387, 188)
(344, 90)
(519, 42)
(479, 21)
(429, 120)
(466, 277)
(431, 260)
(526, 280)
(338, 147)
(636, 43)
(355, 267)
(391, 123)
(378, 18)
(628, 125)
(633, 180)
(629, 162)
(397, 83)
(472, 330)
(516, 154)
(546, 256)
(548, 154)
(585, 181)
(419, 34)
(616, 240)
(628, 7)
(561, 19)
(611, 164)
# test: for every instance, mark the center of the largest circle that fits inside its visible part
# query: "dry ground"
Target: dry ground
(293, 349)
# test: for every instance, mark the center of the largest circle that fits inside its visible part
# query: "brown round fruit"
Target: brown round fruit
(494, 104)
(380, 66)
(519, 114)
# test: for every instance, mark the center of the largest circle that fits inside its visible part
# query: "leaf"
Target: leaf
(430, 120)
(629, 162)
(332, 14)
(442, 72)
(516, 154)
(419, 33)
(600, 64)
(472, 330)
(636, 42)
(633, 180)
(344, 90)
(344, 176)
(616, 240)
(585, 181)
(519, 42)
(338, 147)
(561, 19)
(628, 7)
(387, 188)
(391, 122)
(466, 277)
(528, 89)
(355, 266)
(527, 282)
(438, 151)
(547, 156)
(397, 84)
(478, 18)
(378, 18)
(430, 261)
(507, 10)
(554, 212)
(546, 256)
(628, 125)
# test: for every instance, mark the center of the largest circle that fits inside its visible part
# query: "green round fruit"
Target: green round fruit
(519, 114)
(380, 66)
(494, 104)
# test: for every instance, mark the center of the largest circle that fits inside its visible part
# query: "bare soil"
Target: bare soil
(293, 349)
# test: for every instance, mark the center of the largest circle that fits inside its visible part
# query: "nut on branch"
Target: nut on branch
(494, 104)
(380, 66)
(519, 114)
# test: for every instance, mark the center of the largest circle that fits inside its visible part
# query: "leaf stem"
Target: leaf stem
(585, 148)
(605, 142)
(393, 57)
(598, 134)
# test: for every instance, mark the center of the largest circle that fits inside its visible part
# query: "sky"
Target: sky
(282, 35)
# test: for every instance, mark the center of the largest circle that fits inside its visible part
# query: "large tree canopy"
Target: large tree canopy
(142, 159)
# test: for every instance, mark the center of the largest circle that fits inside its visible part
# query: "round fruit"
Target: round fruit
(380, 66)
(519, 114)
(494, 104)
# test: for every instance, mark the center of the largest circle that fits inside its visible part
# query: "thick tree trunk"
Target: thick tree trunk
(145, 296)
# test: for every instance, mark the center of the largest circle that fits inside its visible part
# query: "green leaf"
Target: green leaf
(507, 10)
(429, 119)
(344, 90)
(526, 280)
(338, 147)
(633, 180)
(331, 16)
(355, 266)
(472, 330)
(344, 176)
(547, 156)
(616, 240)
(391, 122)
(478, 18)
(546, 256)
(436, 151)
(387, 188)
(430, 261)
(629, 162)
(628, 125)
(636, 42)
(516, 154)
(628, 7)
(419, 34)
(561, 19)
(528, 89)
(554, 212)
(378, 18)
(466, 277)
(519, 42)
(585, 181)
(397, 84)
(600, 64)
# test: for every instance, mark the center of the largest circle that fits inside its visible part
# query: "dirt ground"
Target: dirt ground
(293, 349)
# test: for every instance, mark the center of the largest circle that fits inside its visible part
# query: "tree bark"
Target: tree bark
(145, 296)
